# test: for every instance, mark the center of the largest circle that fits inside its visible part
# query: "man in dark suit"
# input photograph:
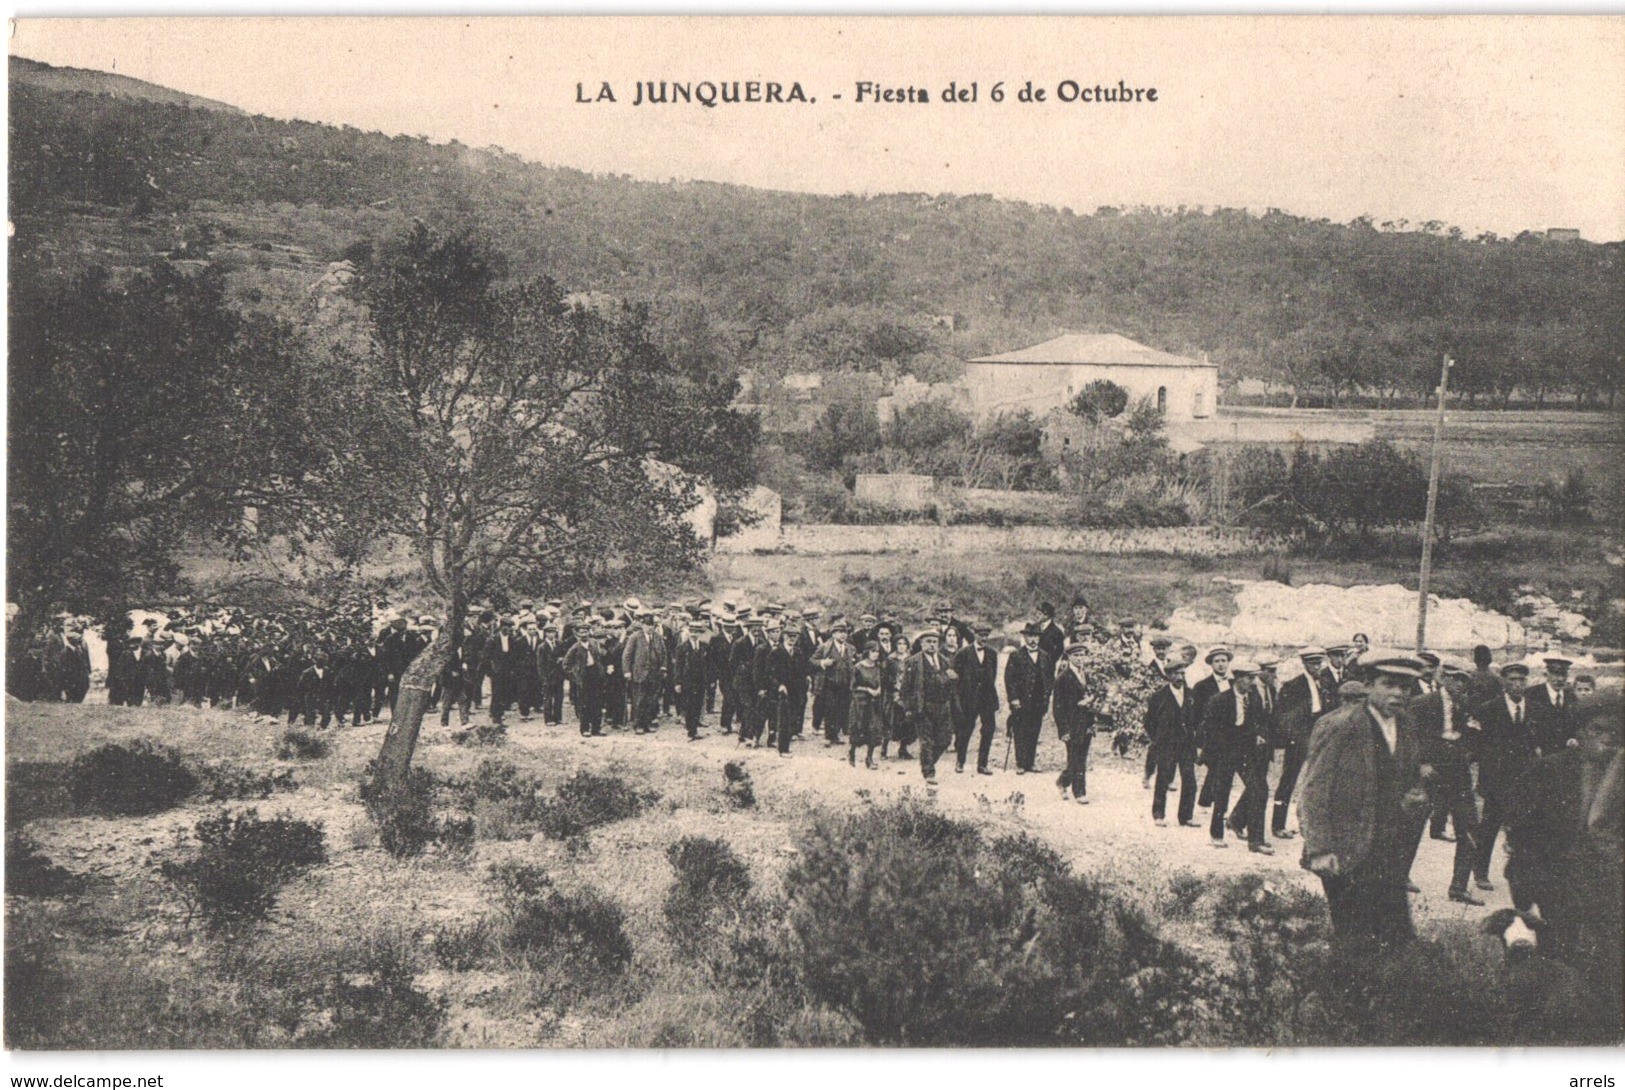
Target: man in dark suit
(73, 664)
(781, 677)
(741, 667)
(835, 659)
(804, 643)
(724, 640)
(1506, 745)
(1443, 729)
(643, 666)
(1029, 675)
(977, 665)
(1361, 795)
(584, 662)
(1252, 808)
(1551, 709)
(1170, 723)
(928, 695)
(316, 691)
(1218, 681)
(1051, 636)
(1233, 727)
(689, 674)
(550, 674)
(1303, 701)
(505, 652)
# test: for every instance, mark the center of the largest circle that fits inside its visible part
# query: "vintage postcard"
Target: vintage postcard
(771, 532)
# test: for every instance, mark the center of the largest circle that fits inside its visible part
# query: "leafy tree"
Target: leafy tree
(1099, 400)
(521, 436)
(846, 428)
(140, 410)
(927, 426)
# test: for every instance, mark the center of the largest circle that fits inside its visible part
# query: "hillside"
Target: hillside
(50, 77)
(789, 281)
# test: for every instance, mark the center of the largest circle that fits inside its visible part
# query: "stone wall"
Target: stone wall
(820, 540)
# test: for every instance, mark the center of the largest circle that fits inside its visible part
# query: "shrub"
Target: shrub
(574, 940)
(922, 934)
(406, 824)
(588, 800)
(482, 734)
(711, 881)
(736, 785)
(303, 745)
(456, 835)
(223, 781)
(380, 1007)
(30, 873)
(241, 863)
(1276, 569)
(1100, 399)
(141, 778)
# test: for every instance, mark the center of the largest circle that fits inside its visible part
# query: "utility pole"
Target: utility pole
(1433, 505)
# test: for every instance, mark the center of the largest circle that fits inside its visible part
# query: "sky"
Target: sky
(1487, 123)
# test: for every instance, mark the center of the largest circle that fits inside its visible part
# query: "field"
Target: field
(117, 961)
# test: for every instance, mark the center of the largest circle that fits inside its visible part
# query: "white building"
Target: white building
(1050, 375)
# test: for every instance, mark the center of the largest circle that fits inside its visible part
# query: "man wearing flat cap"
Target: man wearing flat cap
(1444, 730)
(1551, 707)
(1506, 745)
(928, 695)
(1303, 701)
(1361, 795)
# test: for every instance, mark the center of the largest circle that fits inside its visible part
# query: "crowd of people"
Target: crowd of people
(1378, 748)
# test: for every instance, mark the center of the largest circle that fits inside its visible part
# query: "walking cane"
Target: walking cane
(1009, 741)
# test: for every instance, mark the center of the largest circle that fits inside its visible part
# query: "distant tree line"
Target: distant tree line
(895, 285)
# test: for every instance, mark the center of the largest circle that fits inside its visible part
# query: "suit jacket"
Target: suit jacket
(1295, 711)
(1224, 741)
(1352, 797)
(1426, 713)
(838, 674)
(584, 662)
(691, 667)
(927, 689)
(641, 658)
(978, 681)
(1073, 704)
(1171, 723)
(1204, 691)
(1504, 748)
(1554, 725)
(504, 662)
(1028, 681)
(1052, 641)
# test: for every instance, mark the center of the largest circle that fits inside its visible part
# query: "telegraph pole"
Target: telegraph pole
(1433, 505)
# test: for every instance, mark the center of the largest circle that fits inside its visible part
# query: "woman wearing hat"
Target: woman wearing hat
(1077, 697)
(868, 690)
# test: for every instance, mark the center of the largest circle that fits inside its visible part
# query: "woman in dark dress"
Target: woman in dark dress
(868, 698)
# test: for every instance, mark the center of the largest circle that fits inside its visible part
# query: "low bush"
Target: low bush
(241, 863)
(736, 785)
(225, 781)
(406, 824)
(31, 873)
(483, 734)
(588, 800)
(140, 778)
(711, 881)
(302, 745)
(1276, 569)
(379, 1007)
(575, 941)
(456, 835)
(913, 926)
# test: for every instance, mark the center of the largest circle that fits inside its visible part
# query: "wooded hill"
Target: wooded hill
(782, 282)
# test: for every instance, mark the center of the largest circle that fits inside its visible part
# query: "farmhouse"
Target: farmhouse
(1049, 375)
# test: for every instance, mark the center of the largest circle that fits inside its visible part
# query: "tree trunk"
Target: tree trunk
(411, 701)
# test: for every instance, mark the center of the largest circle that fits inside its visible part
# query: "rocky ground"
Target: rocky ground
(132, 914)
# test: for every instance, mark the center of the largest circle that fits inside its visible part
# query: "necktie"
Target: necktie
(1517, 713)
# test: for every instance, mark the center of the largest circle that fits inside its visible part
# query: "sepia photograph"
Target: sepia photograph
(814, 532)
